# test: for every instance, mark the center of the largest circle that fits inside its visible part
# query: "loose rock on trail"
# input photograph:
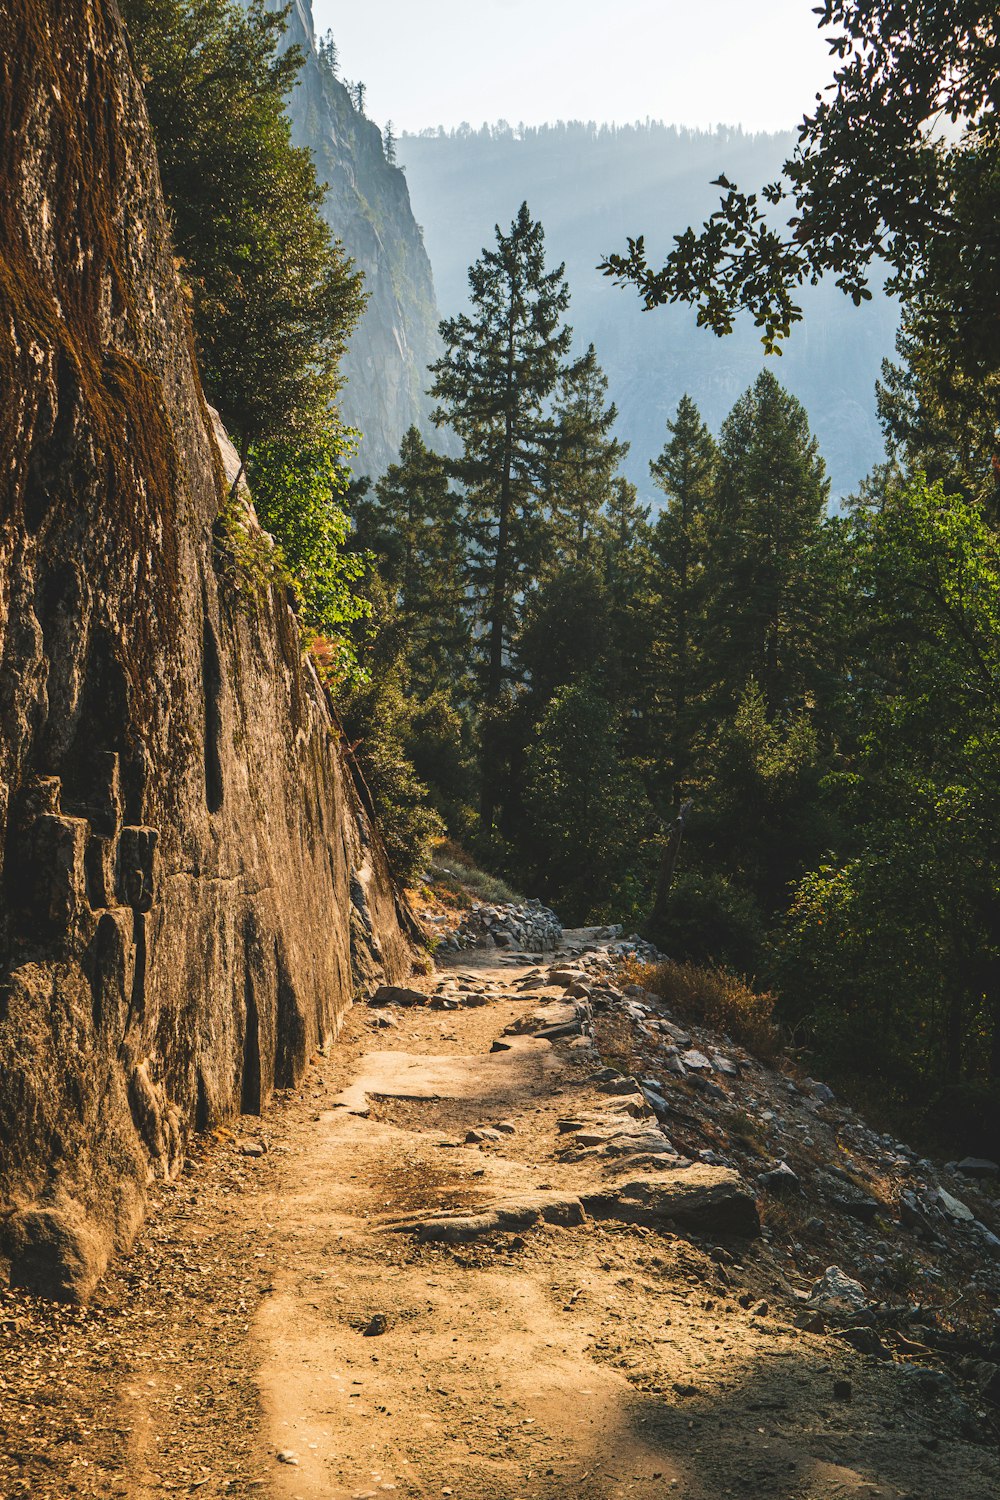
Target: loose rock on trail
(467, 1258)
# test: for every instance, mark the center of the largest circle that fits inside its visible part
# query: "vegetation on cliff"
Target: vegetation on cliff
(274, 298)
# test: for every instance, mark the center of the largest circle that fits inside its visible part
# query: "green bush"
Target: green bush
(709, 919)
(298, 487)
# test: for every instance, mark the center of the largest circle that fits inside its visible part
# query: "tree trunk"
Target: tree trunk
(498, 603)
(668, 866)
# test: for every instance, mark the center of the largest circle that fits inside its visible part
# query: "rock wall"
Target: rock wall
(191, 888)
(368, 207)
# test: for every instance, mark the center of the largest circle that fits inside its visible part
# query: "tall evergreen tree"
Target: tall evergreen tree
(686, 473)
(329, 53)
(584, 806)
(494, 385)
(586, 457)
(939, 419)
(765, 593)
(411, 522)
(624, 527)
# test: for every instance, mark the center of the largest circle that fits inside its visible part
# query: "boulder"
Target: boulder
(978, 1166)
(954, 1208)
(512, 1215)
(395, 994)
(706, 1198)
(58, 1251)
(780, 1179)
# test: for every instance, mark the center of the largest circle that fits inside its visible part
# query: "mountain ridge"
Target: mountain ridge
(592, 187)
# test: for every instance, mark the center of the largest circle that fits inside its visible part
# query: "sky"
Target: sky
(756, 63)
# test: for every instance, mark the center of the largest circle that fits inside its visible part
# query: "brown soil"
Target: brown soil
(234, 1353)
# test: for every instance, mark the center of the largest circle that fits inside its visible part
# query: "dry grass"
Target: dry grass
(787, 1218)
(747, 1132)
(452, 871)
(711, 996)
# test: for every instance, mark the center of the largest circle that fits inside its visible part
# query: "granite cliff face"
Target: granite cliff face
(368, 207)
(191, 888)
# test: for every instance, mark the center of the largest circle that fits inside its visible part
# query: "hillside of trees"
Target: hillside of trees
(593, 186)
(761, 731)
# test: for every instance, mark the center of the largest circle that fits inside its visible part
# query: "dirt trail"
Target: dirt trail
(277, 1335)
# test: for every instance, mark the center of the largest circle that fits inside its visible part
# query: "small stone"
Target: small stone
(506, 1127)
(483, 1135)
(696, 1061)
(780, 1179)
(286, 1456)
(954, 1207)
(378, 1325)
(865, 1341)
(619, 1086)
(254, 1149)
(862, 1207)
(821, 1092)
(808, 1320)
(836, 1292)
(392, 994)
(724, 1065)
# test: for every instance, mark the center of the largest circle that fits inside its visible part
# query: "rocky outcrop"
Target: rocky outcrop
(531, 926)
(367, 205)
(191, 887)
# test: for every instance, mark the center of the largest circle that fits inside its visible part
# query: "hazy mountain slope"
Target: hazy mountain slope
(368, 207)
(591, 190)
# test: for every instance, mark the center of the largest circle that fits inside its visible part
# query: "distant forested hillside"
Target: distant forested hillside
(592, 187)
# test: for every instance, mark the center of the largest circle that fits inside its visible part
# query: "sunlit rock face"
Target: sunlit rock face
(191, 888)
(367, 205)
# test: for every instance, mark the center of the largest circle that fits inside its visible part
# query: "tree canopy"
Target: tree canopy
(274, 297)
(899, 163)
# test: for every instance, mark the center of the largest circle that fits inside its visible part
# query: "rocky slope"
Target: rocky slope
(368, 206)
(191, 888)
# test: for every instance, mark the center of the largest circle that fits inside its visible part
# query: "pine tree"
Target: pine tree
(938, 419)
(329, 54)
(494, 386)
(586, 457)
(584, 806)
(766, 592)
(623, 526)
(389, 143)
(358, 92)
(685, 473)
(412, 524)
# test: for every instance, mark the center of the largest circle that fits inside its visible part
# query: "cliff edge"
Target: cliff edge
(367, 205)
(191, 887)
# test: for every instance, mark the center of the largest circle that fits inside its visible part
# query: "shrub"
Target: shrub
(712, 996)
(710, 920)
